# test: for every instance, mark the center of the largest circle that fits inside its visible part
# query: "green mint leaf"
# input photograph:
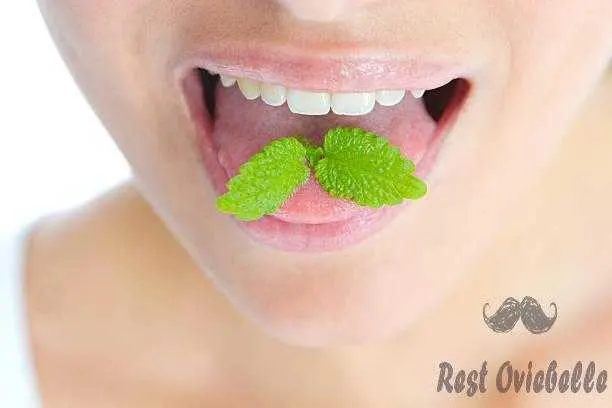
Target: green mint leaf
(313, 153)
(267, 180)
(363, 167)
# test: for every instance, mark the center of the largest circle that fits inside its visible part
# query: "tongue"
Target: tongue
(242, 128)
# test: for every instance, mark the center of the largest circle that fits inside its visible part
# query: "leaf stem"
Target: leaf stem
(313, 153)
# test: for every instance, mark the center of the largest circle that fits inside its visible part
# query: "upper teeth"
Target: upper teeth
(317, 103)
(227, 80)
(417, 93)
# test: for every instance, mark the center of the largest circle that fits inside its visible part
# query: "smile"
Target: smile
(240, 102)
(317, 103)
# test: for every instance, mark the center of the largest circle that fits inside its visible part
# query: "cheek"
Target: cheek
(107, 46)
(85, 32)
(91, 12)
(556, 49)
(103, 44)
(106, 34)
(77, 20)
(547, 27)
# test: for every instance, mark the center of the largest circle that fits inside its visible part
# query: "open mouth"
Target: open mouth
(237, 112)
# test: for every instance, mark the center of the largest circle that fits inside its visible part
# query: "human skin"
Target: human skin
(518, 109)
(530, 72)
(109, 326)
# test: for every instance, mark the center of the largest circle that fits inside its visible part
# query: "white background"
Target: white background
(54, 153)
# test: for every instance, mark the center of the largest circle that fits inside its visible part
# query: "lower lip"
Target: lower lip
(302, 237)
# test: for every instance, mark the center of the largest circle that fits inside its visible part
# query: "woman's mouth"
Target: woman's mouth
(240, 104)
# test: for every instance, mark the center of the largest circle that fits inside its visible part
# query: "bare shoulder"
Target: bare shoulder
(118, 217)
(103, 290)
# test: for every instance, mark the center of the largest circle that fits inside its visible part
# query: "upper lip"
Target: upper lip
(332, 71)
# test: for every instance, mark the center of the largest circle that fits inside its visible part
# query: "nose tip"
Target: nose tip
(321, 10)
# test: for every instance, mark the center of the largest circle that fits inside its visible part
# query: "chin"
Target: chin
(332, 300)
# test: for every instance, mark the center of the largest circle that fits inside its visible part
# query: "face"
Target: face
(503, 79)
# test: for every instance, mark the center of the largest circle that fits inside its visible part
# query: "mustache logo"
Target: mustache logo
(528, 311)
